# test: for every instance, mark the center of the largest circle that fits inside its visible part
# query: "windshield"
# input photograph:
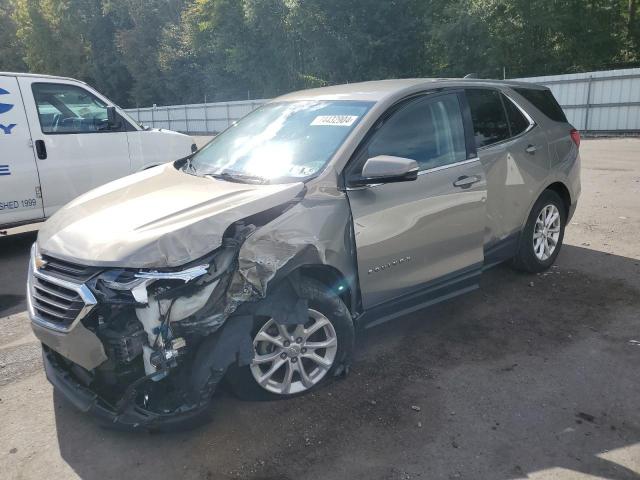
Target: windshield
(279, 142)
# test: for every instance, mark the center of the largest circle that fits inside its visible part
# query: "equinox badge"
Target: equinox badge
(392, 263)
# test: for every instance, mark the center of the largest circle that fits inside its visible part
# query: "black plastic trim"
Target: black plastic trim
(130, 417)
(428, 294)
(501, 251)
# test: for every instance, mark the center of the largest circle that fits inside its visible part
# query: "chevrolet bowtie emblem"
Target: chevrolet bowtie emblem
(40, 262)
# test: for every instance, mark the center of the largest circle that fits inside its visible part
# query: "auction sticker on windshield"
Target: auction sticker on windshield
(335, 120)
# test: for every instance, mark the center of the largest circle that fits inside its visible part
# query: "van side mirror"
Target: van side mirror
(112, 118)
(386, 169)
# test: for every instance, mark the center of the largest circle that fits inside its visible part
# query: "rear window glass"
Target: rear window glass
(489, 120)
(517, 121)
(544, 101)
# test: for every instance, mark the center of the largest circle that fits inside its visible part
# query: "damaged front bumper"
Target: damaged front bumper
(137, 349)
(128, 416)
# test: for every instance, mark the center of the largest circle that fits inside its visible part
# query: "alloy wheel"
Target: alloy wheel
(546, 232)
(291, 359)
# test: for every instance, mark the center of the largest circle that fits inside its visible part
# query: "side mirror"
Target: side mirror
(112, 117)
(386, 169)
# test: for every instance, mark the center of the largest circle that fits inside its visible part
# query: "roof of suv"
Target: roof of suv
(380, 89)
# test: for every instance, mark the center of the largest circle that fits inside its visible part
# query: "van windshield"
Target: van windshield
(279, 142)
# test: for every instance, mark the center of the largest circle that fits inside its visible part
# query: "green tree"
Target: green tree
(220, 42)
(353, 40)
(141, 41)
(11, 50)
(54, 35)
(140, 52)
(107, 70)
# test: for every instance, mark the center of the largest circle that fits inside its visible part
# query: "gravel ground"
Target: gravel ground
(529, 377)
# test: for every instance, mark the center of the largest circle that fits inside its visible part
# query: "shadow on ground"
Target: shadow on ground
(528, 373)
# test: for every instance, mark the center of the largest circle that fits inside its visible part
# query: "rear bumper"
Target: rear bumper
(128, 417)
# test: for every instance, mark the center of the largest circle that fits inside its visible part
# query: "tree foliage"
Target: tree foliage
(140, 52)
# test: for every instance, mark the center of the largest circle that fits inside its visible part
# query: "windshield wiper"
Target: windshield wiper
(238, 177)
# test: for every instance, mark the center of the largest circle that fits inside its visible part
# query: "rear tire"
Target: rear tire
(297, 357)
(542, 235)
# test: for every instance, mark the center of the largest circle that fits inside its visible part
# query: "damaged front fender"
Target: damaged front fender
(318, 231)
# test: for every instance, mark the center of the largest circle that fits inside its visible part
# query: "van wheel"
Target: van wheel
(291, 360)
(543, 234)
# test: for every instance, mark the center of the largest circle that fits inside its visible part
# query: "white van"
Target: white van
(60, 138)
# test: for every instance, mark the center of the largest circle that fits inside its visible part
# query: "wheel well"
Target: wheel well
(333, 279)
(563, 191)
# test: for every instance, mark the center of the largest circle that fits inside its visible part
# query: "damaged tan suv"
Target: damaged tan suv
(257, 259)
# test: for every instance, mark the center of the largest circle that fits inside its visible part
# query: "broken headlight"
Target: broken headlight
(158, 299)
(121, 281)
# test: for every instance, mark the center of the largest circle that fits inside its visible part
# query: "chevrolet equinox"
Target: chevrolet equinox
(257, 259)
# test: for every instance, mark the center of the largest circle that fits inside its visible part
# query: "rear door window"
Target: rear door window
(489, 119)
(428, 130)
(518, 123)
(544, 101)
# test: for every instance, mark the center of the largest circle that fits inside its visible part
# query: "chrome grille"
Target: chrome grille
(67, 270)
(55, 301)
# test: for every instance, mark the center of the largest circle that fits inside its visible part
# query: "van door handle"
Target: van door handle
(531, 149)
(41, 150)
(465, 181)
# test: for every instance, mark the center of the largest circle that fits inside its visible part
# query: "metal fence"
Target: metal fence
(595, 102)
(598, 102)
(197, 118)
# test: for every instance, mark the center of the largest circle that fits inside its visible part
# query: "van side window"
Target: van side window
(429, 131)
(70, 109)
(489, 120)
(517, 121)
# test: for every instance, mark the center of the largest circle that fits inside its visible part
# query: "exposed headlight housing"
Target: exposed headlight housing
(133, 286)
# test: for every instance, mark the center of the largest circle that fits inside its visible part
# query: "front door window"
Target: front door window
(70, 109)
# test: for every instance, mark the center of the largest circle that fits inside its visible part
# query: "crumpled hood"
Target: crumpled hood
(156, 218)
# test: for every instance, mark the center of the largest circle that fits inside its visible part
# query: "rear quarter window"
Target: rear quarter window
(517, 121)
(544, 101)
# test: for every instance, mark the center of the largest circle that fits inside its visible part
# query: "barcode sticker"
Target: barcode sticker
(335, 120)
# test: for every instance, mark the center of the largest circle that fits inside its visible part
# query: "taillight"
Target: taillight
(575, 136)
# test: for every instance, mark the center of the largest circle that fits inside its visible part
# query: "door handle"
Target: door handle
(466, 181)
(41, 150)
(531, 149)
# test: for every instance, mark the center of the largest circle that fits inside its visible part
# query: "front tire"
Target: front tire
(291, 360)
(543, 234)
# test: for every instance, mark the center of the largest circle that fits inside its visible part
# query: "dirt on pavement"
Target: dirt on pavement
(528, 377)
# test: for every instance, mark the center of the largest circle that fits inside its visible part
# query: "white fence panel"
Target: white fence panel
(195, 118)
(607, 101)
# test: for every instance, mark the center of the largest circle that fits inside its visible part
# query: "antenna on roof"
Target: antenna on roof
(471, 75)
